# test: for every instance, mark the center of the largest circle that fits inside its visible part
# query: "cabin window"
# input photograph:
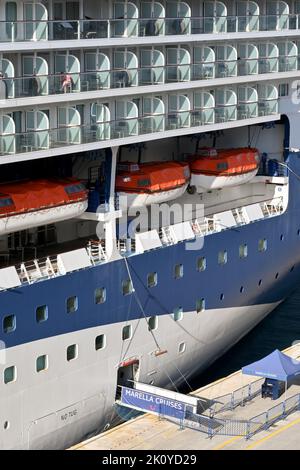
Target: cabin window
(283, 89)
(222, 166)
(200, 305)
(153, 323)
(181, 348)
(42, 363)
(100, 342)
(10, 374)
(243, 251)
(222, 257)
(126, 332)
(152, 280)
(9, 323)
(41, 313)
(262, 245)
(178, 314)
(201, 264)
(100, 295)
(72, 304)
(127, 287)
(72, 352)
(178, 271)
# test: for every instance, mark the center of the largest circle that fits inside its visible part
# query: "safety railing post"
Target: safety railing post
(210, 431)
(284, 410)
(266, 420)
(232, 401)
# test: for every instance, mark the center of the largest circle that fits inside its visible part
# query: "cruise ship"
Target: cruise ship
(108, 109)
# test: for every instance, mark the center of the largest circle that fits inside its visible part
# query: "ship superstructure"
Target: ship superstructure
(97, 92)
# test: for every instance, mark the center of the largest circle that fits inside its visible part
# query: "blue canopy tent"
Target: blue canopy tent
(276, 366)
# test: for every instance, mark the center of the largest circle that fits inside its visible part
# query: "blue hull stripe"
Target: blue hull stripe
(169, 293)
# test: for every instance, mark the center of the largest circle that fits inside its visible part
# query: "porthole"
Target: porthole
(260, 282)
(277, 276)
(242, 289)
(6, 425)
(222, 297)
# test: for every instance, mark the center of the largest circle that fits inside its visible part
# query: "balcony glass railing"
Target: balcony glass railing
(119, 129)
(42, 85)
(114, 28)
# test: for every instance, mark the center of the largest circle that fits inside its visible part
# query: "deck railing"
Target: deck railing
(139, 27)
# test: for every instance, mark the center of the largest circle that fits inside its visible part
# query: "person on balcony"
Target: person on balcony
(34, 86)
(3, 88)
(67, 82)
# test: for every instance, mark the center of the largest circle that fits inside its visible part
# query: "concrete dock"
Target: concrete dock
(149, 432)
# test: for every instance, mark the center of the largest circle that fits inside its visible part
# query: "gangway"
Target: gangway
(161, 402)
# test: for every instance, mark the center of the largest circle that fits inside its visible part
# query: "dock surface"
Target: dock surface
(149, 432)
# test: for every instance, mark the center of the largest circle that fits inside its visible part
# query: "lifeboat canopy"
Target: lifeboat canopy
(153, 182)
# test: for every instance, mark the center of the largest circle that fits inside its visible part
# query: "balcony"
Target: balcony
(22, 31)
(134, 118)
(149, 67)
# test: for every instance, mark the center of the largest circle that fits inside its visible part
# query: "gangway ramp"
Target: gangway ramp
(161, 402)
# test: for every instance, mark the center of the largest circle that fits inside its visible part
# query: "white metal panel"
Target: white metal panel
(183, 231)
(73, 260)
(9, 278)
(254, 212)
(225, 220)
(188, 399)
(147, 241)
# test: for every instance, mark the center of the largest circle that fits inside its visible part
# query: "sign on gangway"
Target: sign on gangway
(151, 403)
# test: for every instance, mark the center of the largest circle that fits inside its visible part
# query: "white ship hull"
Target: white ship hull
(55, 409)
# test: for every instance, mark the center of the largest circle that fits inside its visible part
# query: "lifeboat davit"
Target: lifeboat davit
(28, 204)
(214, 169)
(151, 183)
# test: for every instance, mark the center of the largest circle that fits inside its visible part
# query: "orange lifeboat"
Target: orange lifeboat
(213, 169)
(28, 204)
(151, 183)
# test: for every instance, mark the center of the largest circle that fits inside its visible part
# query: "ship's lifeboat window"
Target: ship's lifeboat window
(75, 188)
(222, 166)
(6, 201)
(144, 182)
